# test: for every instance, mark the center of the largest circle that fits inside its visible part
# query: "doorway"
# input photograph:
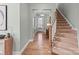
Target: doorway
(40, 20)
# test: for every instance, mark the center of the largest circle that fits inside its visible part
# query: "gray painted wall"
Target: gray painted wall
(71, 11)
(20, 22)
(25, 25)
(13, 23)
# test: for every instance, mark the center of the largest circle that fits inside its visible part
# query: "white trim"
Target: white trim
(26, 45)
(67, 20)
(78, 38)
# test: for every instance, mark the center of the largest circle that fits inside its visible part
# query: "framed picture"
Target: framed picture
(3, 17)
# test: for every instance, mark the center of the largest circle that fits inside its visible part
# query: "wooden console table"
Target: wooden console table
(8, 46)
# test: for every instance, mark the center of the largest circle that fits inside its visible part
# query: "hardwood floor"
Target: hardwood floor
(39, 46)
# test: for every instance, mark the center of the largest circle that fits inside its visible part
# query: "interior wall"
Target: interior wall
(41, 6)
(71, 11)
(20, 21)
(25, 24)
(13, 24)
(26, 17)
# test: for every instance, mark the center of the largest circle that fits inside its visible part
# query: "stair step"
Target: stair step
(64, 44)
(61, 27)
(71, 35)
(72, 32)
(59, 24)
(61, 21)
(72, 40)
(61, 51)
(66, 31)
(69, 48)
(68, 41)
(65, 51)
(58, 15)
(64, 28)
(66, 36)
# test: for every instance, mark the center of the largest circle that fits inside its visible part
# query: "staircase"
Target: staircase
(65, 40)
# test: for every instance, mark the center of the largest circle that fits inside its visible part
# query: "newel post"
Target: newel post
(49, 24)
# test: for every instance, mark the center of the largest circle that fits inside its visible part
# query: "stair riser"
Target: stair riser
(65, 44)
(69, 37)
(68, 42)
(59, 16)
(61, 21)
(68, 32)
(62, 24)
(66, 36)
(63, 27)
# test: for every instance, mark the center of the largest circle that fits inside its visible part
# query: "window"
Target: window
(40, 23)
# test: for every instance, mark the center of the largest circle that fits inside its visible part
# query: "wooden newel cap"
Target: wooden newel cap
(48, 24)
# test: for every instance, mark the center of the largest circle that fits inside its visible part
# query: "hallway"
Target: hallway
(39, 46)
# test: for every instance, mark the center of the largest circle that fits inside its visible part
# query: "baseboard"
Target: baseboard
(14, 53)
(1, 53)
(26, 45)
(67, 20)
